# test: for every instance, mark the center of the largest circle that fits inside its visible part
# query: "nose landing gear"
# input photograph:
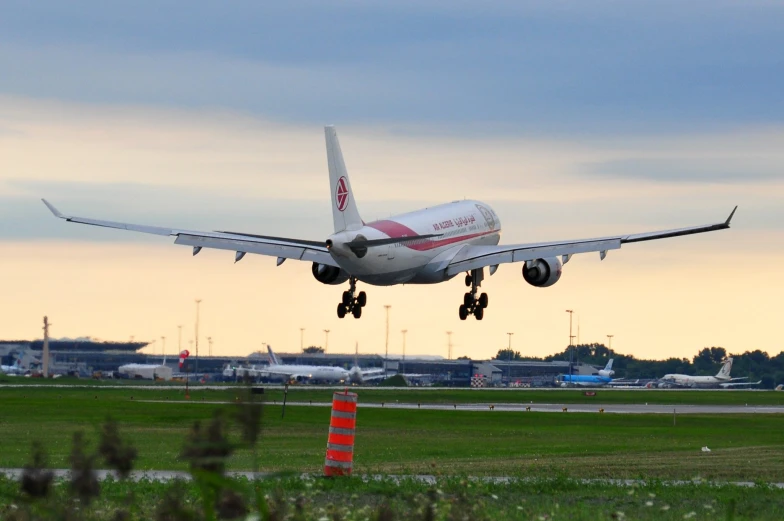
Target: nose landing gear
(473, 305)
(350, 303)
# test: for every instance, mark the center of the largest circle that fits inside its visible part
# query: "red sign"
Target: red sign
(341, 194)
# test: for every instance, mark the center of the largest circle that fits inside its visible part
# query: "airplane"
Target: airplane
(304, 373)
(14, 369)
(603, 377)
(722, 379)
(427, 246)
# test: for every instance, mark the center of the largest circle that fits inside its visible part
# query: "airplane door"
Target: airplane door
(391, 252)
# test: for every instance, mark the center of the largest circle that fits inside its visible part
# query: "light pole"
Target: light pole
(609, 338)
(449, 344)
(510, 341)
(196, 368)
(386, 341)
(209, 346)
(190, 345)
(326, 340)
(179, 340)
(163, 346)
(571, 348)
(404, 342)
(302, 339)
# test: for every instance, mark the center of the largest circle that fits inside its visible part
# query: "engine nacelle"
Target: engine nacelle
(329, 274)
(542, 272)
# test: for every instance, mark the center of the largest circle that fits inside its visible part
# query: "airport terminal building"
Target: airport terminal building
(85, 358)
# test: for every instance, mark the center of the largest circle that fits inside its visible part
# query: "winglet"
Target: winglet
(727, 222)
(52, 209)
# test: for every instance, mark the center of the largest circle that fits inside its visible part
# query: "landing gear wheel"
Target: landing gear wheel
(351, 301)
(473, 305)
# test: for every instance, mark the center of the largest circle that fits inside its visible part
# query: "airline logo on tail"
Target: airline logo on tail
(272, 357)
(725, 369)
(341, 194)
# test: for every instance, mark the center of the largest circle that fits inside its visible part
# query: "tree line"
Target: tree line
(757, 365)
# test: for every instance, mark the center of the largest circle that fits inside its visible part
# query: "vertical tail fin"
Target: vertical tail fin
(724, 372)
(345, 215)
(607, 372)
(272, 357)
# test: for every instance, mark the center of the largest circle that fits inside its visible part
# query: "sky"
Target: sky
(571, 119)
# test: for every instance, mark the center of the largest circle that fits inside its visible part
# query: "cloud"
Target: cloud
(708, 170)
(539, 68)
(208, 169)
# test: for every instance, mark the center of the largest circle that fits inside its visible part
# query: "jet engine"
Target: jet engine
(542, 272)
(329, 274)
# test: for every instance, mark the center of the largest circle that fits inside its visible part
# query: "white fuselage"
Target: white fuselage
(682, 380)
(308, 372)
(458, 224)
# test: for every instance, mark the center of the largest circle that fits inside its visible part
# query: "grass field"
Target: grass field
(744, 447)
(448, 499)
(433, 395)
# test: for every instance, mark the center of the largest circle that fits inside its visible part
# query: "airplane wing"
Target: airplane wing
(739, 384)
(276, 372)
(474, 257)
(241, 243)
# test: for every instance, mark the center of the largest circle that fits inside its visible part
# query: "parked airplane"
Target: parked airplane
(304, 373)
(722, 379)
(13, 369)
(422, 247)
(603, 377)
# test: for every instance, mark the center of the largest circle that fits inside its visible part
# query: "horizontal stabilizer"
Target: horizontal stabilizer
(391, 240)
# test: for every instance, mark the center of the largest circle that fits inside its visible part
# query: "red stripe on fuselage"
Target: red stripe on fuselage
(396, 230)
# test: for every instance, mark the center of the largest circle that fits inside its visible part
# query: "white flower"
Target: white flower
(494, 496)
(649, 503)
(689, 515)
(666, 507)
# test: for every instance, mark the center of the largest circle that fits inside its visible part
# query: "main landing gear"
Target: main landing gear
(471, 304)
(350, 303)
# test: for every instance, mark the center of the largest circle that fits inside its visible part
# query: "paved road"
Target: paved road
(169, 475)
(539, 407)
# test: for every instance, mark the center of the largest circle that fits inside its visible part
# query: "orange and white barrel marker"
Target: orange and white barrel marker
(340, 445)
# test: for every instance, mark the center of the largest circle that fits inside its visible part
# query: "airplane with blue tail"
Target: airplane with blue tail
(603, 377)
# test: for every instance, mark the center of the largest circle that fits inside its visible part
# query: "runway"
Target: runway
(538, 407)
